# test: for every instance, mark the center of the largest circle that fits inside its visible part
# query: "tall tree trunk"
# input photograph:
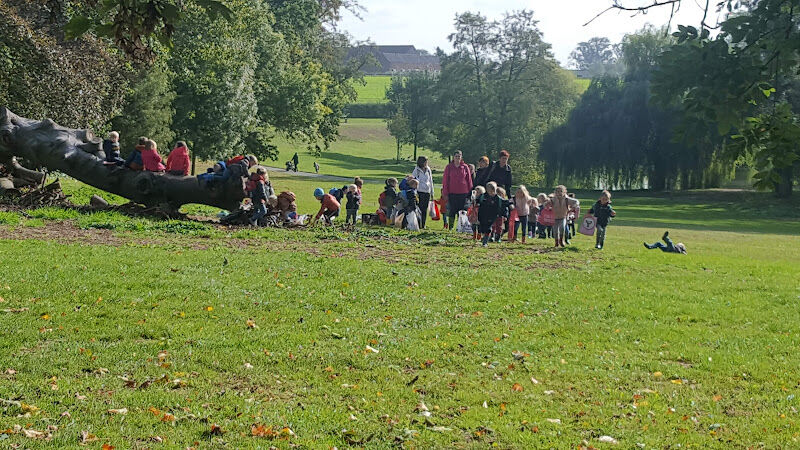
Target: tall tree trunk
(784, 188)
(78, 154)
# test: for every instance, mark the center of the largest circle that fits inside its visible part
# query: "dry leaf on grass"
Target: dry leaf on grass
(120, 411)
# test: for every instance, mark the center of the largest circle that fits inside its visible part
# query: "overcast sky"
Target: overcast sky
(427, 23)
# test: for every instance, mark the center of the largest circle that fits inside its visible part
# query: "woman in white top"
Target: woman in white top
(422, 173)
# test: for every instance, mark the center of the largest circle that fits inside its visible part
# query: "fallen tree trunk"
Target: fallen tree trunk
(79, 154)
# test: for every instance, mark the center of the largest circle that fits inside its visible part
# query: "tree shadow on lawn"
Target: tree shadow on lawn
(709, 210)
(354, 162)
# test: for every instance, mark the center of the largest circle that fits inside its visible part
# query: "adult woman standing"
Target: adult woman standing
(456, 185)
(422, 173)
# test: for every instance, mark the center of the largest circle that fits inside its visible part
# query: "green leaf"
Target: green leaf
(215, 8)
(77, 27)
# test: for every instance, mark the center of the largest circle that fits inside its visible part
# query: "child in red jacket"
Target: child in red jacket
(178, 160)
(150, 157)
(329, 207)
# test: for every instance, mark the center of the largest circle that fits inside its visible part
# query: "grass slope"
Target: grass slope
(189, 327)
(365, 149)
(374, 89)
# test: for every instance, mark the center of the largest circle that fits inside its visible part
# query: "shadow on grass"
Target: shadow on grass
(710, 210)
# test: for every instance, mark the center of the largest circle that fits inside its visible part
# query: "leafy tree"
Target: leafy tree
(134, 26)
(501, 88)
(617, 137)
(214, 65)
(411, 97)
(78, 84)
(148, 109)
(596, 55)
(741, 79)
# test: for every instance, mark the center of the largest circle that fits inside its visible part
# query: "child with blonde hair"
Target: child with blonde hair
(522, 204)
(501, 221)
(473, 211)
(151, 160)
(541, 229)
(353, 202)
(561, 204)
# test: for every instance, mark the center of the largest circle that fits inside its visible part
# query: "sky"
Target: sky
(427, 23)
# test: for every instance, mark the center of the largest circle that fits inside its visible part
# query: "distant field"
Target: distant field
(375, 89)
(583, 83)
(365, 149)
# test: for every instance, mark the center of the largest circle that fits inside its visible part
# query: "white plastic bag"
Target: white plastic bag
(463, 223)
(412, 222)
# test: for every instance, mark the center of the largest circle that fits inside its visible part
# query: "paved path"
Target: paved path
(318, 176)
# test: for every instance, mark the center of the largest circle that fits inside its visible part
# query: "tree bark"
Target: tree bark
(784, 188)
(79, 154)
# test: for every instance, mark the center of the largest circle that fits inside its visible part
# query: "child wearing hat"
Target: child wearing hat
(329, 206)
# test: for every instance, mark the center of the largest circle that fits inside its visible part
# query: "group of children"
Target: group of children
(145, 156)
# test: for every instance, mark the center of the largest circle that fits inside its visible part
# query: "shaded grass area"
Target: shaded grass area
(514, 346)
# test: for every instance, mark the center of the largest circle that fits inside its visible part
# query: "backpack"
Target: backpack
(234, 160)
(337, 193)
(402, 199)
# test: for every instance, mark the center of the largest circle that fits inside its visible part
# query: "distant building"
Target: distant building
(393, 59)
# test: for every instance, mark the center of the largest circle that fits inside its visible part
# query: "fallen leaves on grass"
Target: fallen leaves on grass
(216, 430)
(85, 437)
(120, 411)
(271, 433)
(369, 349)
(209, 308)
(251, 324)
(517, 387)
(14, 310)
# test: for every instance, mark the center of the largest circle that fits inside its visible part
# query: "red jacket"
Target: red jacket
(329, 203)
(151, 161)
(456, 180)
(178, 160)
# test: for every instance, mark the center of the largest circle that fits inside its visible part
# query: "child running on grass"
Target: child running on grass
(329, 207)
(522, 204)
(603, 212)
(561, 203)
(489, 206)
(473, 211)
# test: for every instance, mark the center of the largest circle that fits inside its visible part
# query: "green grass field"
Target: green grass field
(365, 149)
(166, 334)
(374, 89)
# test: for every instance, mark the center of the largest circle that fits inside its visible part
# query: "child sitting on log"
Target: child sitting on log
(134, 161)
(111, 149)
(178, 160)
(151, 160)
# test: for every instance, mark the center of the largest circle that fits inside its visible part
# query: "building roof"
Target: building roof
(395, 58)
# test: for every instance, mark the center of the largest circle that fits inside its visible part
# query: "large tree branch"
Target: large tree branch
(78, 154)
(618, 5)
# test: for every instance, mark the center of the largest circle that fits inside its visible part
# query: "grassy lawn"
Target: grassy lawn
(365, 149)
(168, 334)
(374, 91)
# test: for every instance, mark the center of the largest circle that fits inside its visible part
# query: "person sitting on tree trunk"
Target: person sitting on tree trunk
(111, 149)
(134, 160)
(178, 160)
(151, 160)
(669, 247)
(240, 168)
